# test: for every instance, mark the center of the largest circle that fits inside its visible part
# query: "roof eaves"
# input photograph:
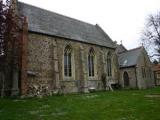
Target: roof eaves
(133, 49)
(122, 67)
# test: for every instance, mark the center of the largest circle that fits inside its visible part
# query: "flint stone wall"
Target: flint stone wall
(45, 61)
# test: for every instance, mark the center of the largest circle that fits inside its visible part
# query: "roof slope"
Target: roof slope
(129, 58)
(50, 23)
(120, 48)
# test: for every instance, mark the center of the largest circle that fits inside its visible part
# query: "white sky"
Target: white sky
(120, 19)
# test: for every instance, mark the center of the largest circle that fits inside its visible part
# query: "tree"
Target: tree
(10, 43)
(2, 32)
(155, 62)
(2, 28)
(151, 35)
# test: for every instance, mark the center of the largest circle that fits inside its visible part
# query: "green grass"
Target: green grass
(117, 105)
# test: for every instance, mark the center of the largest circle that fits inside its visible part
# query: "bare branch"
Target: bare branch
(151, 35)
(154, 55)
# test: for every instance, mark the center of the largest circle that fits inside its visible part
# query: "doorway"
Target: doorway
(126, 79)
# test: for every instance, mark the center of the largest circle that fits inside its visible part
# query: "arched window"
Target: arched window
(67, 61)
(91, 59)
(109, 65)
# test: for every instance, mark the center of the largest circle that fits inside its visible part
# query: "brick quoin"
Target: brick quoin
(24, 39)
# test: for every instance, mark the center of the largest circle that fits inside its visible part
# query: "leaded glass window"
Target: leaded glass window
(68, 61)
(91, 60)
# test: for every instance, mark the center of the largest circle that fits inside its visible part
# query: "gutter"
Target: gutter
(123, 67)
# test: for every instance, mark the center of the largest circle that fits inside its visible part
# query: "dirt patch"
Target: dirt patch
(153, 96)
(90, 96)
(19, 100)
(59, 113)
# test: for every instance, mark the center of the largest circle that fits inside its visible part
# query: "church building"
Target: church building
(66, 53)
(62, 53)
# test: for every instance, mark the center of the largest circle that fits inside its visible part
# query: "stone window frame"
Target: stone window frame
(72, 77)
(144, 67)
(68, 61)
(94, 66)
(109, 66)
(158, 75)
(91, 62)
(143, 70)
(150, 72)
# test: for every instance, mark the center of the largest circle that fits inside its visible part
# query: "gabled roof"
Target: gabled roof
(50, 23)
(129, 58)
(120, 48)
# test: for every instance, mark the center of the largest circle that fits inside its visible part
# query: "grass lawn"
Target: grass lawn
(117, 105)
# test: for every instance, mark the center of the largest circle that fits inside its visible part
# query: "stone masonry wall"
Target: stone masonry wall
(132, 77)
(43, 51)
(148, 80)
(136, 78)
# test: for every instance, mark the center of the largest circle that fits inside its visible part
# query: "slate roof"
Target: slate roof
(120, 48)
(129, 58)
(50, 23)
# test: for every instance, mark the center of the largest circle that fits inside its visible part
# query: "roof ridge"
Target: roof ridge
(131, 50)
(122, 46)
(56, 13)
(135, 48)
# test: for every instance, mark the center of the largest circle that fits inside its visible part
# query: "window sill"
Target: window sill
(68, 78)
(92, 78)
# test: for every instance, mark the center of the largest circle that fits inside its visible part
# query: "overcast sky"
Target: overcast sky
(120, 19)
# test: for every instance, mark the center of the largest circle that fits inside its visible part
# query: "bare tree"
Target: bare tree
(151, 34)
